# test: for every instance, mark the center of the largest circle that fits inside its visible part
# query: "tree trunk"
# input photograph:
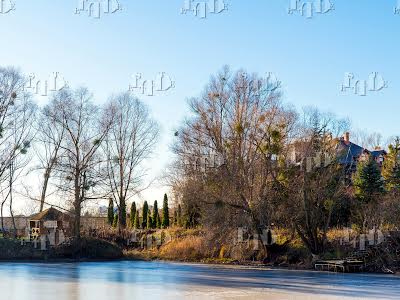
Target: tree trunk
(12, 216)
(11, 198)
(121, 212)
(77, 207)
(256, 224)
(2, 218)
(44, 189)
(77, 220)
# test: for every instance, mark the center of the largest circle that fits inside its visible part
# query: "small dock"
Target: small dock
(340, 265)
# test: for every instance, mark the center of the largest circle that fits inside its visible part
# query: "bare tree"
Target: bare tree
(17, 113)
(129, 142)
(84, 128)
(15, 172)
(368, 140)
(47, 145)
(238, 118)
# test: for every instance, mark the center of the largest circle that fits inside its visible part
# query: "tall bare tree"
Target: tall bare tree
(47, 148)
(15, 172)
(17, 112)
(240, 119)
(130, 140)
(84, 128)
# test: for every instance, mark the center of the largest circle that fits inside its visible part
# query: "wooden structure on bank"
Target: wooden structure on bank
(51, 224)
(338, 265)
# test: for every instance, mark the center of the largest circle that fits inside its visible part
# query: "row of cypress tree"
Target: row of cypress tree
(150, 219)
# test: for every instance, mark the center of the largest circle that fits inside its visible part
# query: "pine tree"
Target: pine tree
(149, 221)
(155, 215)
(368, 181)
(137, 220)
(391, 167)
(144, 214)
(115, 221)
(165, 220)
(132, 217)
(110, 212)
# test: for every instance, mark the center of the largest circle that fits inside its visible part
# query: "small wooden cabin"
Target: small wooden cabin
(52, 224)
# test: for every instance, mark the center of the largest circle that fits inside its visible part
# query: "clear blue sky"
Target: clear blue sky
(310, 56)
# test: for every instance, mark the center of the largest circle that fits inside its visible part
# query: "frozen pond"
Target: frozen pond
(128, 280)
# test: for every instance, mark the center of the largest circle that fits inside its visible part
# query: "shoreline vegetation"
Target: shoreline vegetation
(186, 246)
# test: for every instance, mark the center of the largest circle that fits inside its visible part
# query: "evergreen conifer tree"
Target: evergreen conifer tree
(149, 222)
(144, 214)
(137, 220)
(391, 167)
(368, 182)
(165, 220)
(158, 223)
(132, 215)
(115, 221)
(155, 217)
(122, 220)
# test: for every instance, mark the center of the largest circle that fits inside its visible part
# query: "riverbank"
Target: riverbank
(186, 246)
(85, 249)
(196, 246)
(288, 252)
(96, 250)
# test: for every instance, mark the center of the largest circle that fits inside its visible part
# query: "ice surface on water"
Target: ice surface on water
(151, 280)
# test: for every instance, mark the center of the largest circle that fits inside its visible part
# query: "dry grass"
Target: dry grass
(184, 245)
(189, 248)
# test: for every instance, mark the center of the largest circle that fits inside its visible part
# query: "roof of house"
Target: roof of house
(349, 151)
(49, 214)
(377, 153)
